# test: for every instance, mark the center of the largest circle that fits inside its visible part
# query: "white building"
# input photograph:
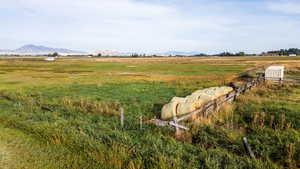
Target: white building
(292, 55)
(50, 59)
(108, 53)
(274, 73)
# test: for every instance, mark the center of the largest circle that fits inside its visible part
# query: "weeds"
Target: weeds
(70, 110)
(91, 107)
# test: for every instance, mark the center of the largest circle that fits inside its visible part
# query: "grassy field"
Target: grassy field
(65, 114)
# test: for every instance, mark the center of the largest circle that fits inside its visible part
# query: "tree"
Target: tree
(55, 54)
(135, 55)
(240, 54)
(226, 54)
(284, 52)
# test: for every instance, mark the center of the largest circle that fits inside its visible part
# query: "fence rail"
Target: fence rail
(213, 105)
(294, 80)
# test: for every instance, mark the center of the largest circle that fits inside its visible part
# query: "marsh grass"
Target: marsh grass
(268, 116)
(273, 119)
(72, 116)
(91, 107)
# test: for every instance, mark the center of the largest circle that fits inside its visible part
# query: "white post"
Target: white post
(122, 117)
(248, 148)
(141, 122)
(176, 127)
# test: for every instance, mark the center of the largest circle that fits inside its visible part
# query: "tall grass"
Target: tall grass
(76, 110)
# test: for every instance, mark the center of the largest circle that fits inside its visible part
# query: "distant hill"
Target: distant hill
(44, 50)
(39, 50)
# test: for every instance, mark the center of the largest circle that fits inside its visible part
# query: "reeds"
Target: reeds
(259, 120)
(90, 106)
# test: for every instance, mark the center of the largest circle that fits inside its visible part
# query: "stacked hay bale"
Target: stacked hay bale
(181, 106)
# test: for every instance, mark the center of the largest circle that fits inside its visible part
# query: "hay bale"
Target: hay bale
(185, 108)
(181, 106)
(169, 110)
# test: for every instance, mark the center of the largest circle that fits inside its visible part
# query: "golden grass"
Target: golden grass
(91, 107)
(19, 74)
(224, 115)
(5, 157)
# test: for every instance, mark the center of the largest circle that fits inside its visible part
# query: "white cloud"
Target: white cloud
(134, 25)
(120, 24)
(99, 8)
(287, 7)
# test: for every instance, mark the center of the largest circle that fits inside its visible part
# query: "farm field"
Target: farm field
(65, 114)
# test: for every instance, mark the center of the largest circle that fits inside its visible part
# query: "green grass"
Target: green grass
(275, 133)
(26, 74)
(70, 109)
(20, 150)
(99, 139)
(89, 67)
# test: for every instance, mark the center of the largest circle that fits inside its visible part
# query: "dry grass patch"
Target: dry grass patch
(223, 116)
(91, 107)
(5, 159)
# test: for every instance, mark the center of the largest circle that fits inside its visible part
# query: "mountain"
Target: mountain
(43, 50)
(39, 50)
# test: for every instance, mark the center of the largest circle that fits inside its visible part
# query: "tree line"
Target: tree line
(281, 52)
(284, 52)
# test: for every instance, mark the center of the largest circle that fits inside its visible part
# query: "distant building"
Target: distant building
(108, 53)
(50, 59)
(274, 73)
(270, 54)
(292, 55)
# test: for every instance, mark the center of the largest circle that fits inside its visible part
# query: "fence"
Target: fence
(213, 106)
(292, 80)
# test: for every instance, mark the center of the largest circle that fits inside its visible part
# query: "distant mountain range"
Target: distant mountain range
(39, 50)
(43, 50)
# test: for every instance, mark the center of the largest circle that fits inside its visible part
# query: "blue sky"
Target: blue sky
(207, 26)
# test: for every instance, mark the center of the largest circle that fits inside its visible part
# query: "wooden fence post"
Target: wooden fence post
(141, 122)
(176, 127)
(248, 148)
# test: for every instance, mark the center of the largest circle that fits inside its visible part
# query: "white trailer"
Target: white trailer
(274, 73)
(50, 59)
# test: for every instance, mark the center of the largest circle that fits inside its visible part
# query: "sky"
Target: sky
(206, 26)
